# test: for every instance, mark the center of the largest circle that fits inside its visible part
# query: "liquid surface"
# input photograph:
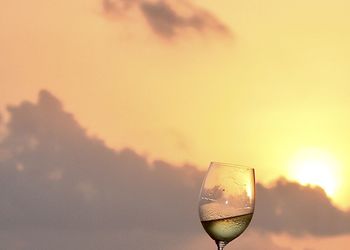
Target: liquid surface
(227, 229)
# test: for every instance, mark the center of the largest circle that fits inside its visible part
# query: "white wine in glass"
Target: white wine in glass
(226, 201)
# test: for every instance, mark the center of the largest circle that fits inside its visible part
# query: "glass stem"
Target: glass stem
(221, 244)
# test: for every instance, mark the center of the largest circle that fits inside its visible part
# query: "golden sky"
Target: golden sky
(272, 88)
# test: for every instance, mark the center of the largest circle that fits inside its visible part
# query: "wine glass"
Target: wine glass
(226, 201)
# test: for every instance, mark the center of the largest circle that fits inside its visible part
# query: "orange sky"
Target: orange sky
(276, 86)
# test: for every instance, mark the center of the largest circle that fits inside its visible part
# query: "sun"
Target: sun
(318, 168)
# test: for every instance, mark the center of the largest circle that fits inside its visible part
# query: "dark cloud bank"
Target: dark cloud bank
(165, 18)
(61, 189)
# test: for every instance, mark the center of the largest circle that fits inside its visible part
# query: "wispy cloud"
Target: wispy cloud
(165, 18)
(55, 178)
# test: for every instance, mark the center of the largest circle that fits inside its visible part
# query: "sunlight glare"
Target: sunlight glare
(318, 168)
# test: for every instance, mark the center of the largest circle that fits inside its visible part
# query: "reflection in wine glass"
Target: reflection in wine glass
(226, 201)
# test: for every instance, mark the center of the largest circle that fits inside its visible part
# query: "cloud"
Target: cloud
(58, 177)
(58, 183)
(290, 207)
(166, 19)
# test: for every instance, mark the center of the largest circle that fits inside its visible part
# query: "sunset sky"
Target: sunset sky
(258, 83)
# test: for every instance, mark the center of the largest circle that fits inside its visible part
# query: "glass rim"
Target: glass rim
(226, 164)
